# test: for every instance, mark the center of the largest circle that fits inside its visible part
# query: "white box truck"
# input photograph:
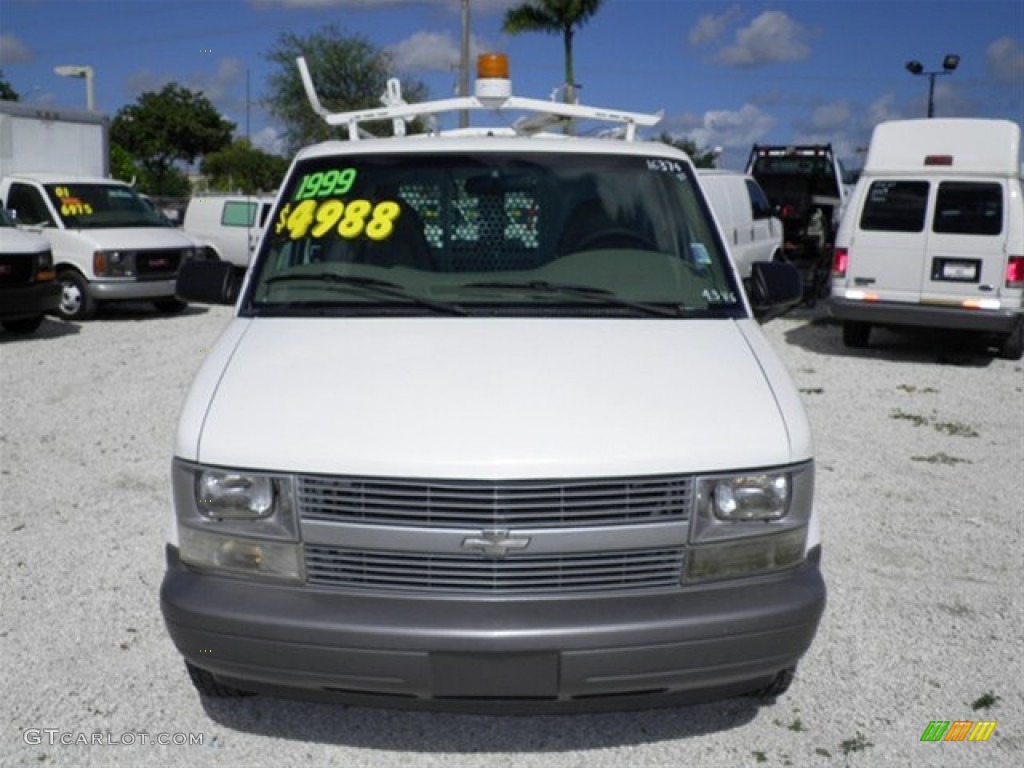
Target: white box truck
(934, 233)
(107, 244)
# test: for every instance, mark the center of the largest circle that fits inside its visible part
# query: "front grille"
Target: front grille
(158, 263)
(620, 501)
(588, 572)
(17, 268)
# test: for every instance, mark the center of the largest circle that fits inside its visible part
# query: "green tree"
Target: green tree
(556, 17)
(348, 72)
(166, 127)
(6, 91)
(702, 158)
(243, 168)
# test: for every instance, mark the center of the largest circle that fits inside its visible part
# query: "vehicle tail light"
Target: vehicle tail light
(840, 260)
(1015, 272)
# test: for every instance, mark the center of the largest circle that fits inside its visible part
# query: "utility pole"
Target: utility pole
(464, 63)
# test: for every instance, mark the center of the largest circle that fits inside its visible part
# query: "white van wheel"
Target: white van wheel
(1012, 347)
(75, 301)
(856, 335)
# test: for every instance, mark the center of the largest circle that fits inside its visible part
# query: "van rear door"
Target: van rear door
(966, 242)
(889, 239)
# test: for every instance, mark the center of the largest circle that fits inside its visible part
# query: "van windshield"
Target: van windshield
(98, 206)
(492, 233)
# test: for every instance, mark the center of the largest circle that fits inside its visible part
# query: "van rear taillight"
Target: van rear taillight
(1015, 272)
(840, 258)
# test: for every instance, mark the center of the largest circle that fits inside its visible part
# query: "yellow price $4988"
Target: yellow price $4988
(352, 219)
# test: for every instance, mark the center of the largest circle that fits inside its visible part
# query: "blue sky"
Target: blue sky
(726, 74)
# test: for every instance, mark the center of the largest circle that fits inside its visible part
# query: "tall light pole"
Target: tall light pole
(464, 62)
(948, 65)
(73, 70)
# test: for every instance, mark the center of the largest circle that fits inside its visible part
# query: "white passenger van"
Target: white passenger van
(230, 224)
(745, 215)
(934, 233)
(493, 428)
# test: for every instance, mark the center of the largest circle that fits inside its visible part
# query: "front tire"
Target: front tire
(856, 335)
(1012, 346)
(210, 686)
(75, 301)
(170, 306)
(778, 686)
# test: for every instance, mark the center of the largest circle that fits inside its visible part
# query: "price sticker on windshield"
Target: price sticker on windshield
(317, 218)
(335, 182)
(71, 205)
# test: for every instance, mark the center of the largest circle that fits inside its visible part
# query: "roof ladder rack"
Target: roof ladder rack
(493, 94)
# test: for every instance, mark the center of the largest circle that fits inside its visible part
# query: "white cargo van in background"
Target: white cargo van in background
(751, 232)
(934, 233)
(231, 224)
(108, 244)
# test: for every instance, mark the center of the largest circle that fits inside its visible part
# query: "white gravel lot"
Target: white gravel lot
(920, 452)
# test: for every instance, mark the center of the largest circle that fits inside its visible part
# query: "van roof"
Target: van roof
(950, 145)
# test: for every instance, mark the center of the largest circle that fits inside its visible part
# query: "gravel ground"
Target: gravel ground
(920, 450)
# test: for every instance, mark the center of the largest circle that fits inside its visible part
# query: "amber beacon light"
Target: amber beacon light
(492, 66)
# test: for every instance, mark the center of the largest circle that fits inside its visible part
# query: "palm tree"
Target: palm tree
(555, 17)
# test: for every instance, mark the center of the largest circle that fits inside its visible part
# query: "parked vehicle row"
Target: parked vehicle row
(934, 233)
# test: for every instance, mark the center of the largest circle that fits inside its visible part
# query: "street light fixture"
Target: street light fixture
(70, 70)
(949, 63)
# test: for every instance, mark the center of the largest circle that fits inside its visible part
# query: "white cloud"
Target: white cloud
(771, 37)
(225, 84)
(711, 26)
(831, 117)
(425, 52)
(1006, 60)
(13, 51)
(269, 139)
(432, 52)
(725, 128)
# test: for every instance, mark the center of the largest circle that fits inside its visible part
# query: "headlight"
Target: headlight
(751, 522)
(236, 520)
(113, 263)
(44, 266)
(751, 497)
(234, 495)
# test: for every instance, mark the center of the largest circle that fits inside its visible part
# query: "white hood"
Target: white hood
(123, 238)
(492, 398)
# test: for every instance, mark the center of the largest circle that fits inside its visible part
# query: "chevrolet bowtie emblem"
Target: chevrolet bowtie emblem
(495, 542)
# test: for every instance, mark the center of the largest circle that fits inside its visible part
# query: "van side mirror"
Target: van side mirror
(208, 282)
(773, 288)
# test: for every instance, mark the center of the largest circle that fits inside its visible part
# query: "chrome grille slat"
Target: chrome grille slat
(436, 573)
(471, 503)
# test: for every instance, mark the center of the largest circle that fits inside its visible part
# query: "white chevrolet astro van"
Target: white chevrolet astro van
(933, 235)
(493, 429)
(752, 233)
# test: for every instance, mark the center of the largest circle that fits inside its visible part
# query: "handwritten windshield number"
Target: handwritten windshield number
(715, 296)
(661, 164)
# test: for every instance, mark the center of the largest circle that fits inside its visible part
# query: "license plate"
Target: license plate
(959, 270)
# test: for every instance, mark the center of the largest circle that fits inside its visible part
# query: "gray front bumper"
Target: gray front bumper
(126, 290)
(491, 654)
(1001, 321)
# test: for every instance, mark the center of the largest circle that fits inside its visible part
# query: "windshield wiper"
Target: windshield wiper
(599, 295)
(381, 287)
